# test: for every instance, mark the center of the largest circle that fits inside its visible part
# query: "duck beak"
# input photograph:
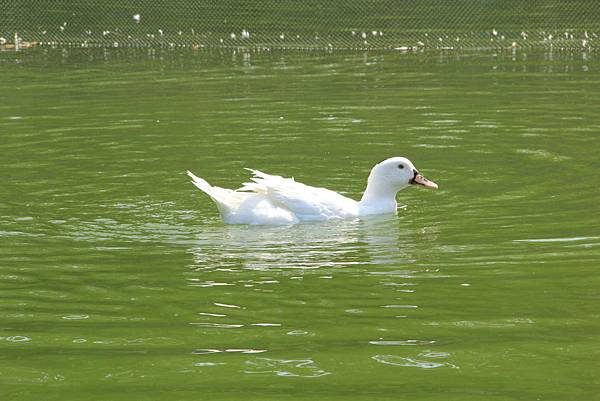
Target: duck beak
(418, 179)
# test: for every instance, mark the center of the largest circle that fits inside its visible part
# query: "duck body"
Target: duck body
(275, 200)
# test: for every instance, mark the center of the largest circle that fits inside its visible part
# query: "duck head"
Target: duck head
(397, 173)
(387, 178)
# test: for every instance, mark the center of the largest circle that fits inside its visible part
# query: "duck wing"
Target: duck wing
(305, 201)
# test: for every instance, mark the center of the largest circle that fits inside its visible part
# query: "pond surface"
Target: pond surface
(119, 282)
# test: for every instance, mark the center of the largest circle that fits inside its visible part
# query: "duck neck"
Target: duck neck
(379, 198)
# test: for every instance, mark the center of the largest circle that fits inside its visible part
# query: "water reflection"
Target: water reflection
(305, 246)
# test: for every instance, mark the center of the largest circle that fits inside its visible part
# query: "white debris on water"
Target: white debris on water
(510, 39)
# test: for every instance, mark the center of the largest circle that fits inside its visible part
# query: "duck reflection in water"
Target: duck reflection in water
(304, 246)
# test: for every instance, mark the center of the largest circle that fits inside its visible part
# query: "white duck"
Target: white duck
(274, 200)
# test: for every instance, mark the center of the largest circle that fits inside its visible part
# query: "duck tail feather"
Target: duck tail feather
(219, 195)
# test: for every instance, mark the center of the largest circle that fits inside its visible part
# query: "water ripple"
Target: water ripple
(208, 351)
(217, 325)
(402, 342)
(565, 239)
(285, 367)
(410, 362)
(17, 339)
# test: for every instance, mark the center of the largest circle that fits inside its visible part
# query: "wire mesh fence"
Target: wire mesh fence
(302, 24)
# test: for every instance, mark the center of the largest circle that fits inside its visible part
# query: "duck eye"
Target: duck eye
(400, 166)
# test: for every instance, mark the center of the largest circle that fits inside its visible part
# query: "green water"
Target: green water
(118, 280)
